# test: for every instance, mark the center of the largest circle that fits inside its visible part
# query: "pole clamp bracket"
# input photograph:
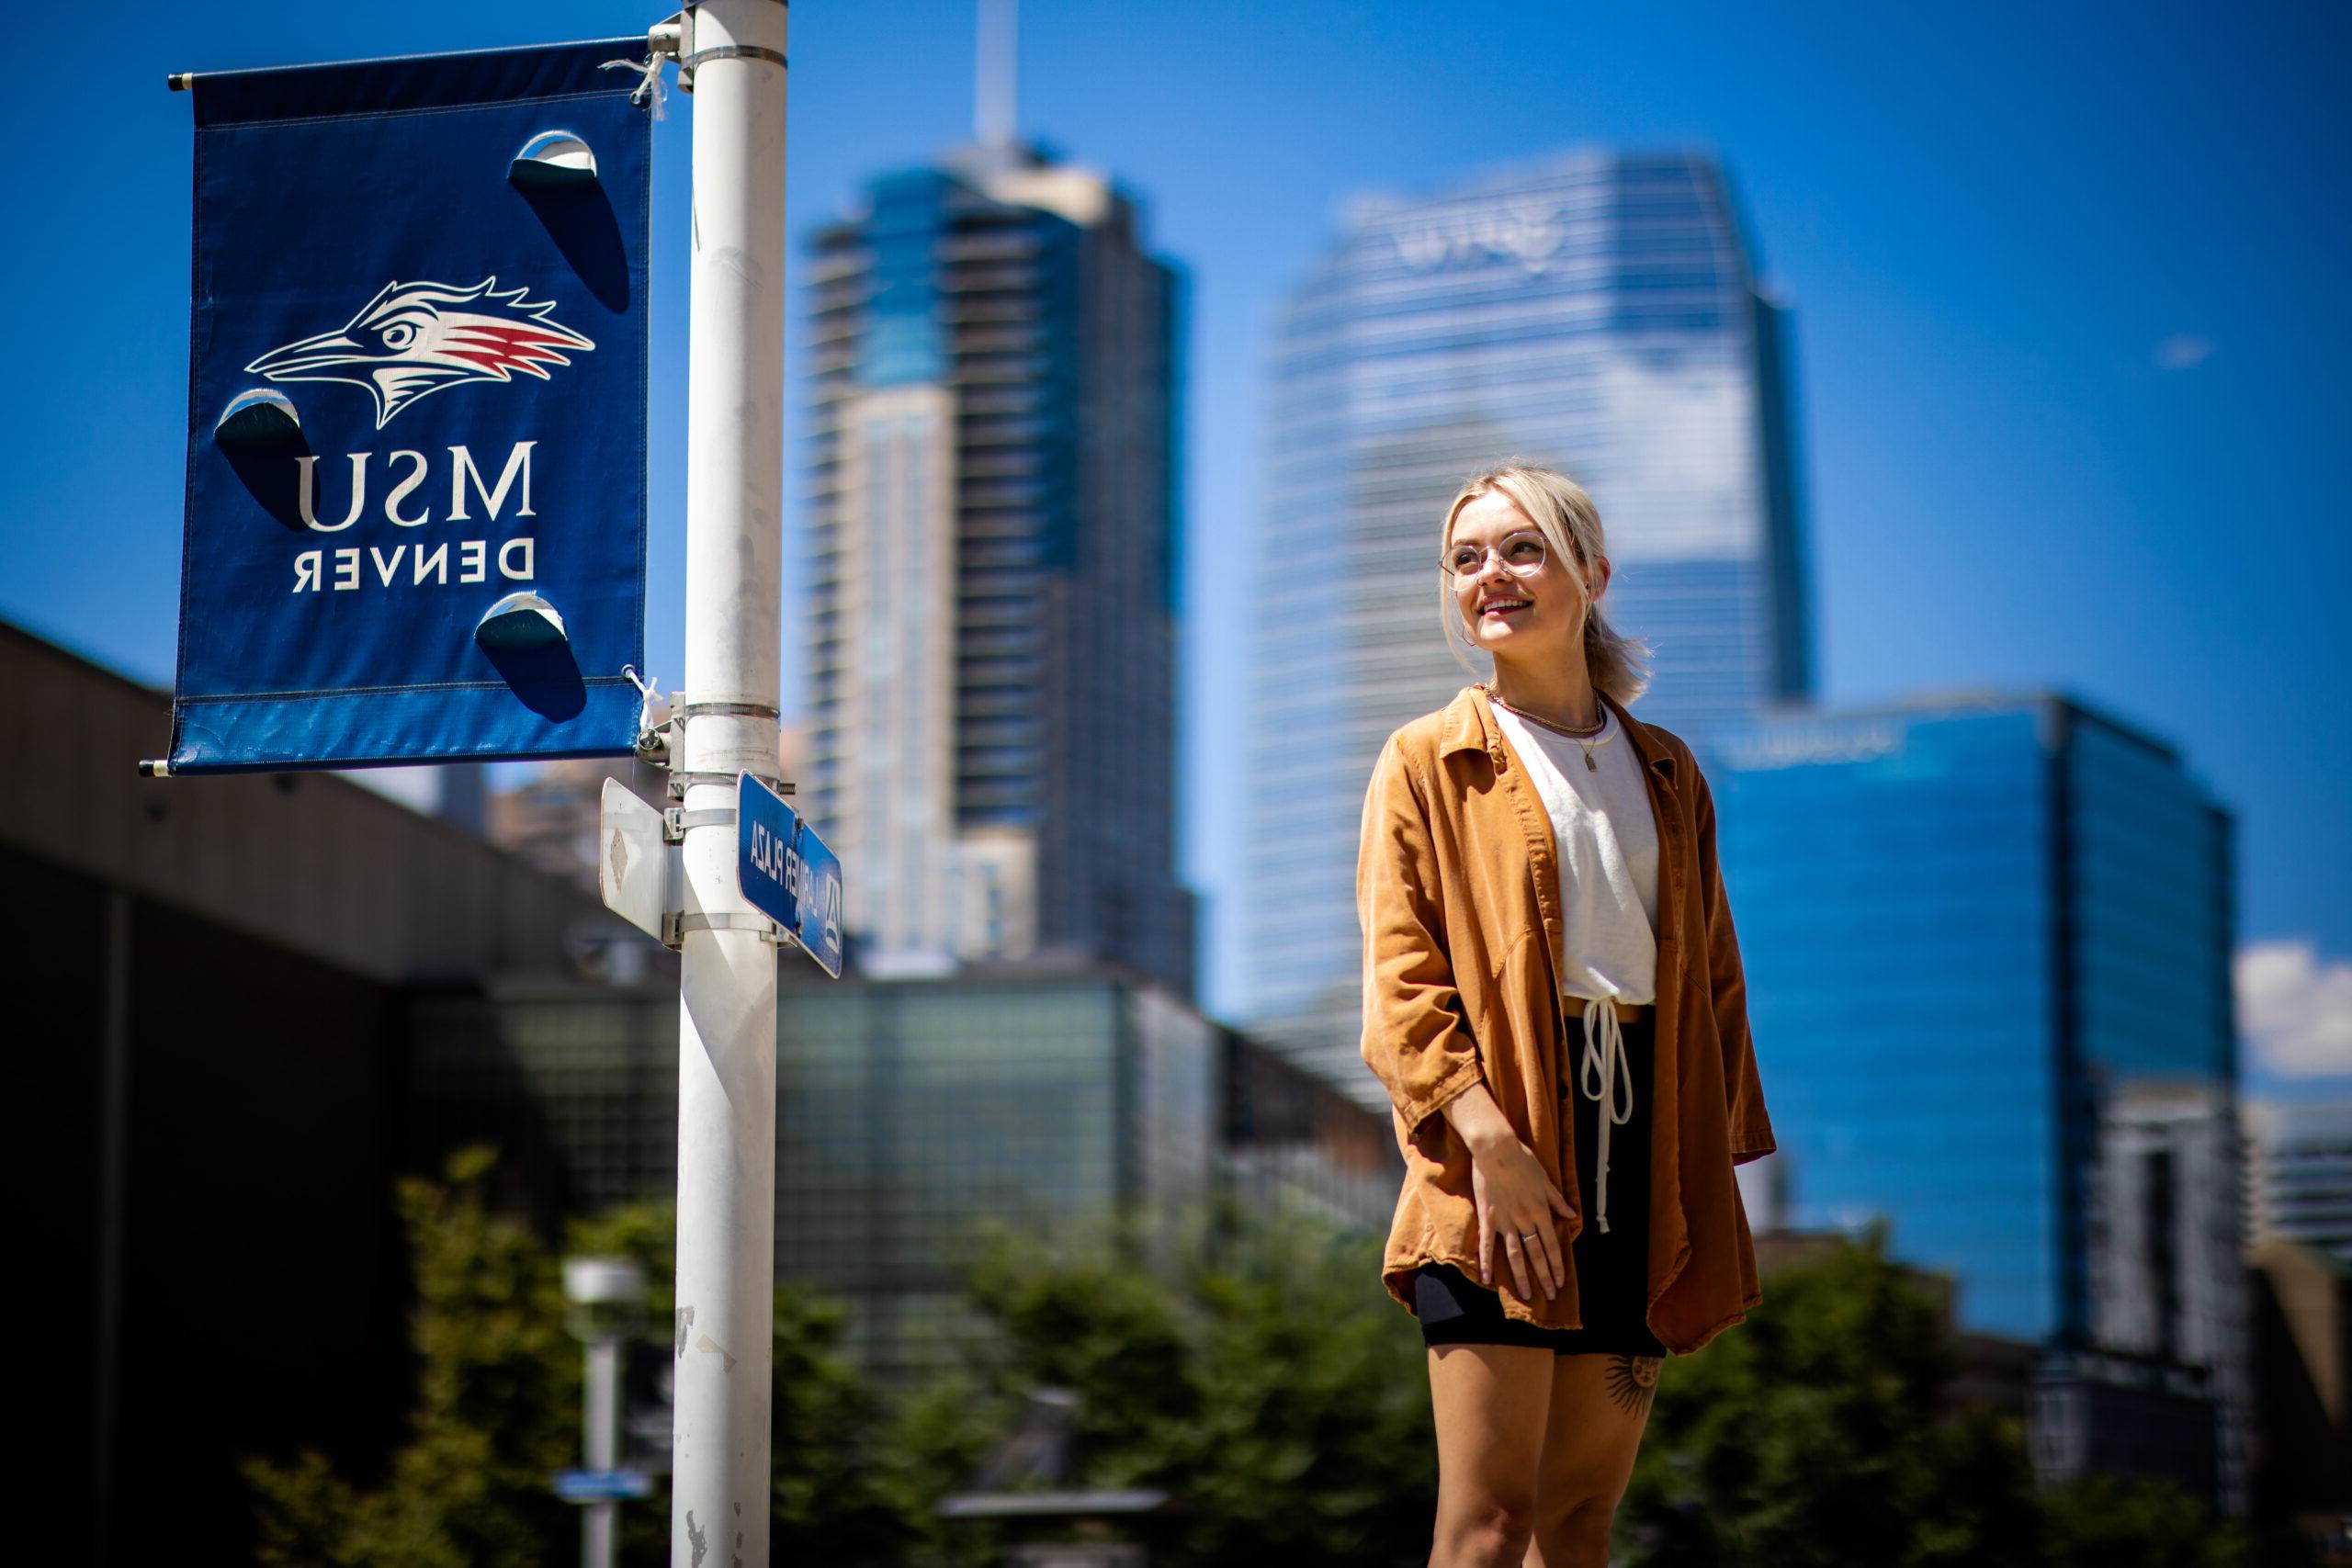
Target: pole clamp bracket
(684, 708)
(658, 743)
(677, 819)
(675, 925)
(681, 779)
(686, 62)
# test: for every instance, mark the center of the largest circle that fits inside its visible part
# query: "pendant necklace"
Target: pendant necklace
(1583, 738)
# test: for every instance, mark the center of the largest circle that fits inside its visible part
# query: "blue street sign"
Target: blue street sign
(787, 873)
(416, 509)
(600, 1485)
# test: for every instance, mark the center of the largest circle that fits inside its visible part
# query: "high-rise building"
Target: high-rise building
(1987, 951)
(992, 505)
(911, 1113)
(1598, 312)
(2300, 1174)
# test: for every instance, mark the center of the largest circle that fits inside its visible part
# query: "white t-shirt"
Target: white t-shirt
(1606, 836)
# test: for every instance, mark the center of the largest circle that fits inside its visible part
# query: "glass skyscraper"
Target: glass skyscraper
(991, 500)
(1987, 949)
(1596, 312)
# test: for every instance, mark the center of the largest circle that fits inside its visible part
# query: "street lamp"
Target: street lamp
(604, 1300)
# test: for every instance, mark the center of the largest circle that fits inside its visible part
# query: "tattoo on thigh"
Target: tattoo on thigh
(1633, 1381)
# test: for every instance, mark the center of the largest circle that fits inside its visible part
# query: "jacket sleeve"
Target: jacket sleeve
(1417, 1038)
(1751, 1129)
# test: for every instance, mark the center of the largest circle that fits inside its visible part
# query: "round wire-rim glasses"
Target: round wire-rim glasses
(1521, 553)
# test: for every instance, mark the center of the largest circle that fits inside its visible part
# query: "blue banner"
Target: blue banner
(416, 413)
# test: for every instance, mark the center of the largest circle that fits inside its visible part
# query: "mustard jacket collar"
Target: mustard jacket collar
(1470, 725)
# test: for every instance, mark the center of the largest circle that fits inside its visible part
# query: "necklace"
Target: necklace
(1583, 738)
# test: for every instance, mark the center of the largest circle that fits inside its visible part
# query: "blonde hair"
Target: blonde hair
(1570, 524)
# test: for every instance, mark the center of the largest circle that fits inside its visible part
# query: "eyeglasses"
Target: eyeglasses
(1522, 555)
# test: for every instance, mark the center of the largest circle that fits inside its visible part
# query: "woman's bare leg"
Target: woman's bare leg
(1491, 1402)
(1600, 1405)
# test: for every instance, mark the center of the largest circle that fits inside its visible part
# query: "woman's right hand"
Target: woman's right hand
(1518, 1204)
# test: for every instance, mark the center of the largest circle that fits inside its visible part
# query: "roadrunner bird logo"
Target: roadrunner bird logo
(415, 338)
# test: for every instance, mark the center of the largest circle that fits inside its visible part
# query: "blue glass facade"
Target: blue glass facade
(2149, 866)
(1890, 881)
(1978, 938)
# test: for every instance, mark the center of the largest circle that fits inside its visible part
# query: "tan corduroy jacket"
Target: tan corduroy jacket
(1457, 889)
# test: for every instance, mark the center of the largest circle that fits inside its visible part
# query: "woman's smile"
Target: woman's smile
(1512, 592)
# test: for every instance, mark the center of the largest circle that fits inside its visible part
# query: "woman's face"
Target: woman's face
(1535, 619)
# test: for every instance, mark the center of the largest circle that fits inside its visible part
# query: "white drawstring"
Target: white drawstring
(1604, 1055)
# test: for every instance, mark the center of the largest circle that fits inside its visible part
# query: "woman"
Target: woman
(1553, 999)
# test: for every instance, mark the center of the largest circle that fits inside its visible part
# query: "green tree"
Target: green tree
(497, 1411)
(2103, 1522)
(1315, 1442)
(830, 1427)
(1266, 1384)
(833, 1434)
(1283, 1406)
(1818, 1433)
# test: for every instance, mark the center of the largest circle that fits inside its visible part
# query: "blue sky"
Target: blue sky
(2072, 327)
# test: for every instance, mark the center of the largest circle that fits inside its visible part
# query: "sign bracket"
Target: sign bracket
(677, 819)
(681, 780)
(676, 923)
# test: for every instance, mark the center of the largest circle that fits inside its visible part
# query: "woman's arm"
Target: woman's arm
(1751, 1129)
(1416, 1038)
(1417, 1041)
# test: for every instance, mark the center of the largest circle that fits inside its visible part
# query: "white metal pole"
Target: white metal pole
(719, 1480)
(601, 1445)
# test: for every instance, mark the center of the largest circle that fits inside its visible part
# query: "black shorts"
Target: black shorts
(1611, 1268)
